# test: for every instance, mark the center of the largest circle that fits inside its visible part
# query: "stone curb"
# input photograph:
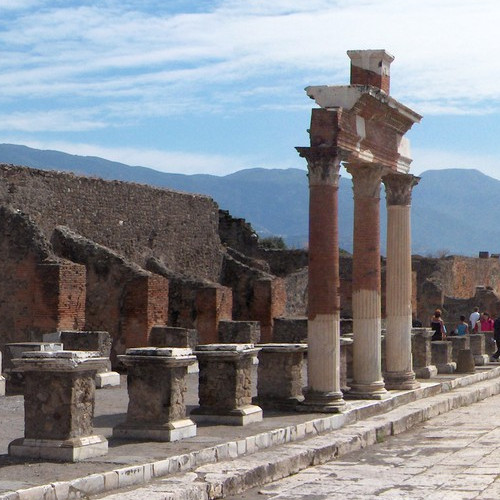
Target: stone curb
(387, 417)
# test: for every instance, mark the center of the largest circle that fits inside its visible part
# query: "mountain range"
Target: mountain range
(454, 211)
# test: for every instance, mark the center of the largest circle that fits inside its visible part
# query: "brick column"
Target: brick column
(366, 305)
(323, 328)
(399, 371)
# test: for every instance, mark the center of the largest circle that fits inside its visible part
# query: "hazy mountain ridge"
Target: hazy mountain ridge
(453, 210)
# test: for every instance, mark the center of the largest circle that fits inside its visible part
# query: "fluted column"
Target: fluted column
(399, 374)
(323, 335)
(366, 304)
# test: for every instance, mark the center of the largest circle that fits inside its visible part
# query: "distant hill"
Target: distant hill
(454, 210)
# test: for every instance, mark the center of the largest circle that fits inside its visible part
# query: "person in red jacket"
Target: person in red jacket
(486, 323)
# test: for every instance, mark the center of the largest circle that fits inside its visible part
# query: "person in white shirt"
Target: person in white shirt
(474, 319)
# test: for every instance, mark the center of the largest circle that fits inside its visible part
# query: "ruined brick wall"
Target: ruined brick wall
(122, 298)
(40, 293)
(137, 221)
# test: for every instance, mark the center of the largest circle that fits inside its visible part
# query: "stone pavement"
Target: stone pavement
(453, 457)
(223, 460)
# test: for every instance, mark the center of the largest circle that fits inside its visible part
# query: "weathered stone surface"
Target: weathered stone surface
(87, 341)
(239, 332)
(290, 330)
(170, 336)
(441, 356)
(457, 344)
(279, 381)
(465, 361)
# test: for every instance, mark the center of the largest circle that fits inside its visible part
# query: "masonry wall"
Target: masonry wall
(137, 221)
(122, 298)
(40, 293)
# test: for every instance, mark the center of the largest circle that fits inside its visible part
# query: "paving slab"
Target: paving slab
(135, 463)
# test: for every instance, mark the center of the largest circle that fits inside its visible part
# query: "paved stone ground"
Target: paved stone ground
(455, 456)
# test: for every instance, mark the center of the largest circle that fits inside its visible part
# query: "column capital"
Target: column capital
(366, 180)
(323, 164)
(398, 188)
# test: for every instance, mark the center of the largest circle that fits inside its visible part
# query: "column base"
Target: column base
(173, 431)
(428, 371)
(68, 450)
(239, 416)
(481, 359)
(375, 390)
(402, 381)
(322, 402)
(447, 368)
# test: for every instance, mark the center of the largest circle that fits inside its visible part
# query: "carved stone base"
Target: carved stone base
(239, 416)
(375, 390)
(447, 368)
(402, 381)
(107, 379)
(481, 359)
(173, 431)
(322, 402)
(428, 371)
(69, 450)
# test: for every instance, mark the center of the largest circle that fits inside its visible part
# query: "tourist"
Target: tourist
(463, 326)
(473, 319)
(438, 326)
(496, 330)
(486, 323)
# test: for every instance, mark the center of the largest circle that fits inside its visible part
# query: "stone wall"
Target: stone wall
(40, 293)
(136, 221)
(122, 298)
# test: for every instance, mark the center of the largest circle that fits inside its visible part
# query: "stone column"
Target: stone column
(399, 371)
(366, 304)
(156, 382)
(323, 328)
(59, 401)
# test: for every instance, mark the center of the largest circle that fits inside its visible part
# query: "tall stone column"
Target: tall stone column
(323, 328)
(366, 304)
(399, 374)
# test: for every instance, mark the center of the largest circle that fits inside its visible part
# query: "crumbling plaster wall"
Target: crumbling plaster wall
(136, 221)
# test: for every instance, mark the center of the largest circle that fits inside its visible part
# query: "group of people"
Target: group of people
(477, 323)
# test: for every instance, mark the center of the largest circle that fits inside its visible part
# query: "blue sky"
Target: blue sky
(216, 86)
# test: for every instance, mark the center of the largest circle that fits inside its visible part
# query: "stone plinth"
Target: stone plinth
(458, 342)
(465, 361)
(59, 400)
(279, 382)
(490, 346)
(422, 353)
(225, 384)
(441, 356)
(171, 336)
(345, 362)
(156, 382)
(74, 340)
(290, 330)
(2, 379)
(478, 348)
(239, 332)
(15, 378)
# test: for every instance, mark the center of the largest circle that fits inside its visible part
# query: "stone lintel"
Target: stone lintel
(59, 361)
(275, 347)
(69, 450)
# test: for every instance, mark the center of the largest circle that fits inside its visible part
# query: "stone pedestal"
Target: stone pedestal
(465, 361)
(478, 348)
(76, 340)
(345, 362)
(458, 342)
(441, 356)
(239, 332)
(422, 353)
(156, 382)
(290, 330)
(15, 378)
(225, 384)
(173, 336)
(59, 400)
(490, 345)
(279, 381)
